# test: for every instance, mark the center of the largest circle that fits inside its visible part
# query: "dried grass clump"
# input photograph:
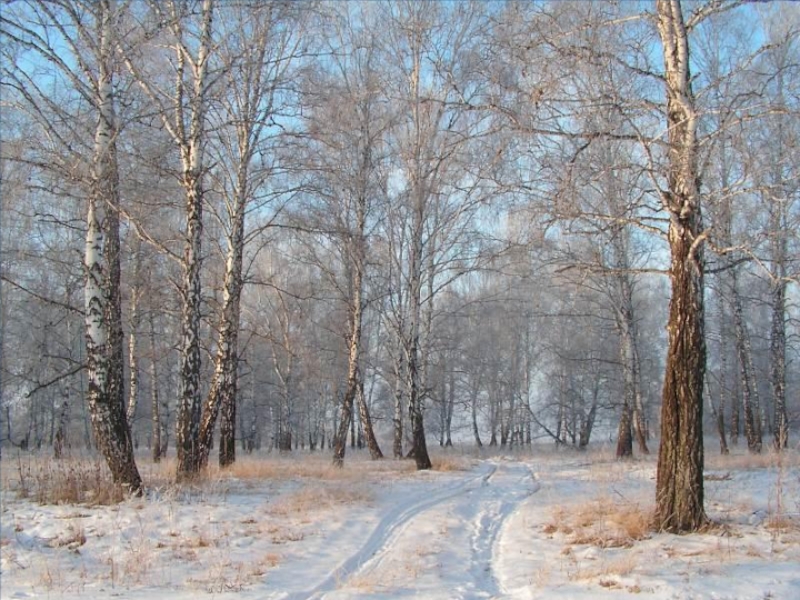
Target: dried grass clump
(602, 523)
(316, 498)
(446, 463)
(741, 459)
(317, 467)
(67, 481)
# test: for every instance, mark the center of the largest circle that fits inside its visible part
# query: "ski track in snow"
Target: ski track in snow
(482, 502)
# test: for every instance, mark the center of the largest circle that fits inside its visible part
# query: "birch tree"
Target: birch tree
(430, 50)
(260, 47)
(182, 110)
(87, 33)
(347, 123)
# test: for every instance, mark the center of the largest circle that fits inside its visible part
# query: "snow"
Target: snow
(534, 524)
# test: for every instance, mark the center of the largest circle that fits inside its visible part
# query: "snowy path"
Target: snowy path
(510, 528)
(448, 537)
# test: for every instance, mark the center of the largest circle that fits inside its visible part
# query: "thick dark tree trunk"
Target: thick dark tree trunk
(624, 434)
(227, 427)
(191, 143)
(366, 424)
(419, 446)
(474, 409)
(679, 487)
(345, 421)
(679, 482)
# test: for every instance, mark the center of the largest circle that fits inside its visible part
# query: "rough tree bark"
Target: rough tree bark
(191, 146)
(679, 482)
(104, 340)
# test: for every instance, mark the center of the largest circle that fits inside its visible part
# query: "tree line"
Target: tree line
(319, 224)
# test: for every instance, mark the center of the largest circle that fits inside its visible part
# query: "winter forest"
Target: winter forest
(235, 227)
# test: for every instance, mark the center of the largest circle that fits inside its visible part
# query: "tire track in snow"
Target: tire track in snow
(511, 483)
(389, 527)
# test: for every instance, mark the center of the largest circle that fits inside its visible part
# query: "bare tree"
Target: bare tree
(89, 32)
(679, 483)
(182, 111)
(255, 68)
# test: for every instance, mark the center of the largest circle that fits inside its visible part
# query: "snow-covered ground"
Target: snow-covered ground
(541, 524)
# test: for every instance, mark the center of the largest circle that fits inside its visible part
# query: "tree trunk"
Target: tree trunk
(345, 417)
(624, 435)
(133, 354)
(778, 365)
(366, 424)
(449, 405)
(224, 384)
(750, 403)
(679, 481)
(227, 425)
(588, 423)
(397, 420)
(155, 406)
(777, 340)
(60, 441)
(192, 147)
(188, 427)
(474, 406)
(103, 312)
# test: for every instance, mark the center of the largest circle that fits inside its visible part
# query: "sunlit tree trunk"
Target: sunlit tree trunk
(224, 385)
(103, 312)
(679, 481)
(192, 149)
(133, 338)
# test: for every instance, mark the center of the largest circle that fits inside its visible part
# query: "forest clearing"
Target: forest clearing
(541, 524)
(399, 298)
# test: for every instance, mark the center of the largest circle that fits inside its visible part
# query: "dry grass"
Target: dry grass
(602, 522)
(65, 481)
(317, 467)
(608, 570)
(86, 480)
(280, 468)
(740, 459)
(449, 462)
(319, 497)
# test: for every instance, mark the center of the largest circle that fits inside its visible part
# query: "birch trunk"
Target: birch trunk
(397, 419)
(744, 352)
(224, 384)
(779, 254)
(155, 403)
(103, 318)
(133, 353)
(191, 146)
